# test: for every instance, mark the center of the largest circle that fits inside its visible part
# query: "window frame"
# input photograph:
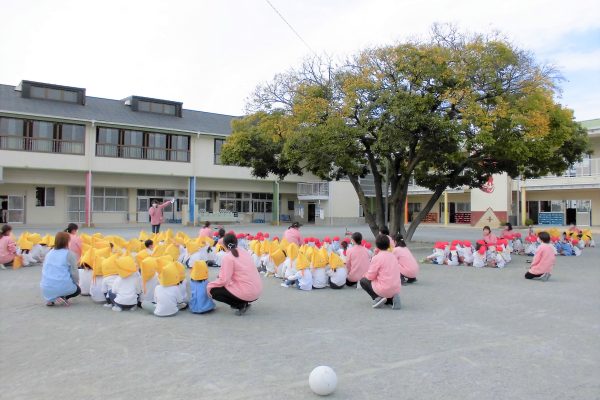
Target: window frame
(217, 156)
(46, 190)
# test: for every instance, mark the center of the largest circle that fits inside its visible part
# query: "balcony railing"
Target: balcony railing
(141, 152)
(316, 190)
(41, 145)
(588, 167)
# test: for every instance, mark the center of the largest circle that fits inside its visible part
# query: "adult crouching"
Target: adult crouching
(238, 283)
(59, 273)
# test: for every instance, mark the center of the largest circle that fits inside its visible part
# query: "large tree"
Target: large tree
(448, 112)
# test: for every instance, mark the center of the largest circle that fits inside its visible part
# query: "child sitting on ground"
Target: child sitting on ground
(408, 265)
(109, 268)
(479, 257)
(85, 271)
(168, 299)
(337, 272)
(303, 277)
(452, 259)
(466, 253)
(148, 268)
(96, 292)
(543, 261)
(127, 286)
(200, 303)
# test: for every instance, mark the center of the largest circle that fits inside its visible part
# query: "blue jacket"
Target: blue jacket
(200, 302)
(57, 280)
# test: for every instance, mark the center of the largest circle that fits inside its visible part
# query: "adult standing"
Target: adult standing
(156, 214)
(59, 273)
(238, 283)
(8, 247)
(292, 234)
(357, 260)
(409, 267)
(206, 231)
(74, 241)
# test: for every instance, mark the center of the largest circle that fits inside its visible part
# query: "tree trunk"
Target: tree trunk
(423, 213)
(362, 199)
(397, 206)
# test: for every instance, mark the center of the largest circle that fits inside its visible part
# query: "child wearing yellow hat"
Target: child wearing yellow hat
(148, 269)
(167, 296)
(200, 303)
(86, 272)
(319, 262)
(127, 286)
(303, 276)
(337, 271)
(109, 269)
(96, 292)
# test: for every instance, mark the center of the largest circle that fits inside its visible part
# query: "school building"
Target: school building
(68, 157)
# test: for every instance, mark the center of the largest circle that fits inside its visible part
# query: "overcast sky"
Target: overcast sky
(211, 54)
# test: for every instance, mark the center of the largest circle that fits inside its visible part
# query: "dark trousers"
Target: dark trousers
(368, 287)
(155, 228)
(125, 306)
(225, 296)
(350, 283)
(110, 298)
(74, 294)
(334, 286)
(529, 275)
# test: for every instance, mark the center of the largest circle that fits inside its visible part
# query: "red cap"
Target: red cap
(347, 240)
(306, 240)
(518, 234)
(215, 233)
(482, 250)
(499, 248)
(276, 238)
(366, 244)
(455, 242)
(466, 243)
(480, 241)
(555, 239)
(336, 238)
(266, 235)
(453, 248)
(240, 236)
(575, 241)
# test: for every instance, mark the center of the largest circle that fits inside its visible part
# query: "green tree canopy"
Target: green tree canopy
(449, 112)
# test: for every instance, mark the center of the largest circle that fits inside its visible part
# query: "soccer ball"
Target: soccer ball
(322, 380)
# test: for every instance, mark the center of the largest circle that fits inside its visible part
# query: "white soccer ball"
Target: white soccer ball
(322, 380)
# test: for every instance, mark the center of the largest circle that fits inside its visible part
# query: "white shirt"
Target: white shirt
(319, 278)
(150, 286)
(453, 259)
(338, 276)
(85, 280)
(183, 288)
(304, 279)
(127, 289)
(500, 263)
(107, 282)
(467, 255)
(478, 260)
(166, 299)
(96, 292)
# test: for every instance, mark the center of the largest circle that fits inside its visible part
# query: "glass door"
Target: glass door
(16, 209)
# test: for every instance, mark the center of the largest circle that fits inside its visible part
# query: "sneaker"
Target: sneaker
(62, 301)
(133, 308)
(50, 303)
(545, 277)
(2, 266)
(242, 311)
(107, 305)
(117, 308)
(284, 285)
(412, 280)
(378, 302)
(396, 305)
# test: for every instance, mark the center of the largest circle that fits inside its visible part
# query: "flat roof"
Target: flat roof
(591, 123)
(114, 111)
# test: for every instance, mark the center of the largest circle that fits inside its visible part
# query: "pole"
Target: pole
(523, 203)
(445, 208)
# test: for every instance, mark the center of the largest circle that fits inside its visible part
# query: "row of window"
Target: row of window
(41, 136)
(124, 143)
(63, 138)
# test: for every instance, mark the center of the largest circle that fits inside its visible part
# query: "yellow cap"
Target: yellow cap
(85, 238)
(159, 250)
(199, 271)
(51, 241)
(181, 270)
(45, 240)
(302, 262)
(139, 257)
(173, 251)
(169, 276)
(97, 235)
(318, 261)
(103, 252)
(100, 244)
(219, 248)
(278, 256)
(109, 266)
(292, 251)
(125, 266)
(284, 244)
(89, 257)
(24, 243)
(163, 261)
(192, 246)
(335, 261)
(143, 236)
(148, 269)
(97, 267)
(34, 238)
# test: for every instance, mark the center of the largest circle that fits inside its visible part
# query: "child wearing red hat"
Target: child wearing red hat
(479, 257)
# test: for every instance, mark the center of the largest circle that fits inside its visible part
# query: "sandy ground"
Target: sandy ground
(463, 333)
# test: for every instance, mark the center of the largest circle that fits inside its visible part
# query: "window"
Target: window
(38, 92)
(42, 136)
(72, 138)
(463, 207)
(110, 200)
(12, 134)
(204, 201)
(290, 205)
(218, 146)
(44, 196)
(155, 107)
(76, 204)
(234, 202)
(111, 142)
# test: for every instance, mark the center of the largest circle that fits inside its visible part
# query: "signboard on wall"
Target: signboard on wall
(495, 196)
